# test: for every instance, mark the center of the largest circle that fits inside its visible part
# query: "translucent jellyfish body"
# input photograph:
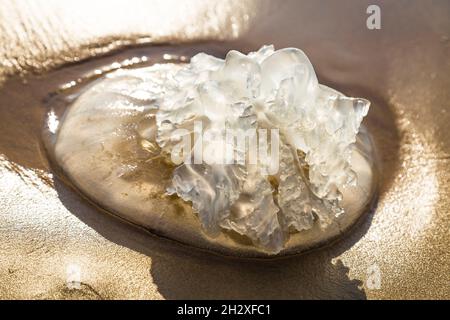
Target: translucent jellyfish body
(118, 139)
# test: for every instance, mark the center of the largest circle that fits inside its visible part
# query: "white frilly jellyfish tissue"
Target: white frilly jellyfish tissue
(266, 201)
(268, 89)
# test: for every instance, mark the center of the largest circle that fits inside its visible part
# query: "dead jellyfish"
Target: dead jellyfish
(247, 155)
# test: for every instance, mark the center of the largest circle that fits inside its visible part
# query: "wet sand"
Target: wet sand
(404, 69)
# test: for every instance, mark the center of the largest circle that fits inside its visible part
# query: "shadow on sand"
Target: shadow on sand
(182, 272)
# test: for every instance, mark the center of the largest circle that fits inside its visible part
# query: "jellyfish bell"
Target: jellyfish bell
(117, 139)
